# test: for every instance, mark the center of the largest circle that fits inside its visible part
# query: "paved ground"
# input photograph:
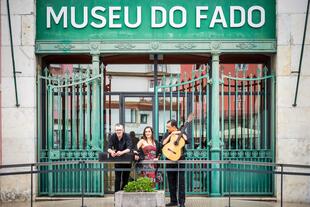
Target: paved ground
(190, 202)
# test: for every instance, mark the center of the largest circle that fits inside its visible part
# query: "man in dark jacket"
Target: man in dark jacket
(120, 144)
(176, 178)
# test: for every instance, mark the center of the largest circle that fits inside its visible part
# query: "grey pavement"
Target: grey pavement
(108, 201)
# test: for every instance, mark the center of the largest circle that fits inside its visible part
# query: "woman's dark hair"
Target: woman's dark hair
(144, 136)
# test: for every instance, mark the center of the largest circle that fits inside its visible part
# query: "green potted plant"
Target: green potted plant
(140, 192)
(142, 184)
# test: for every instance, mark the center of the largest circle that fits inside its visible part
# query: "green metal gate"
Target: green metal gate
(246, 127)
(247, 130)
(70, 127)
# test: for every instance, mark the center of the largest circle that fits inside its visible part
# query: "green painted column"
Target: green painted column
(95, 104)
(215, 129)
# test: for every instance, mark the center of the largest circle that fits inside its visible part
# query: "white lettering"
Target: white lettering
(199, 16)
(171, 17)
(221, 20)
(50, 11)
(98, 17)
(232, 16)
(163, 15)
(138, 22)
(85, 18)
(118, 16)
(262, 16)
(113, 17)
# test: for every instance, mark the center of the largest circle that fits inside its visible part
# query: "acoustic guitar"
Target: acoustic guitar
(173, 149)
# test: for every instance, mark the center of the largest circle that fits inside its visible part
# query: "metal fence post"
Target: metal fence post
(281, 185)
(31, 185)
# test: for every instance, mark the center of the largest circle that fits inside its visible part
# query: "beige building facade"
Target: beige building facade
(18, 138)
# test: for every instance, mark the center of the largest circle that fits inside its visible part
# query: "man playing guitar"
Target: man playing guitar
(175, 178)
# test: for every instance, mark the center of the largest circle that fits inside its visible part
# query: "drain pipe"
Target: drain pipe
(301, 55)
(12, 52)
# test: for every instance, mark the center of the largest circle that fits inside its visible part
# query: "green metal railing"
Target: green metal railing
(69, 114)
(281, 170)
(247, 130)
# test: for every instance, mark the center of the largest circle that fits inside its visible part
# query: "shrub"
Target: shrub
(142, 184)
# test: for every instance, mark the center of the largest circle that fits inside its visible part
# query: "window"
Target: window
(241, 67)
(160, 68)
(143, 118)
(151, 84)
(202, 67)
(130, 115)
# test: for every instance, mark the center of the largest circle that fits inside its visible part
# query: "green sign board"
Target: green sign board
(78, 20)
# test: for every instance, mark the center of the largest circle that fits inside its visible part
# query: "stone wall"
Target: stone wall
(18, 123)
(293, 134)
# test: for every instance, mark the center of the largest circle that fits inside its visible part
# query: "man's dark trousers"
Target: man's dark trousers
(176, 182)
(121, 177)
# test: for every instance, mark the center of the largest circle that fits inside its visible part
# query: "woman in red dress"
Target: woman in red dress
(149, 149)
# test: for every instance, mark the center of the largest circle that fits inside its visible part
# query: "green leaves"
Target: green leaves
(142, 184)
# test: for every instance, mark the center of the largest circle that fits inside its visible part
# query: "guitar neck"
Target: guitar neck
(183, 128)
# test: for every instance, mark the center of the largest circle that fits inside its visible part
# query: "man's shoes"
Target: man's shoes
(181, 205)
(171, 204)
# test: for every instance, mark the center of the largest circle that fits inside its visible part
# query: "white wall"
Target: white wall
(126, 84)
(293, 134)
(135, 84)
(18, 123)
(128, 68)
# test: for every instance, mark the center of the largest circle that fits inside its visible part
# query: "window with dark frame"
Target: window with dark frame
(143, 118)
(132, 116)
(241, 67)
